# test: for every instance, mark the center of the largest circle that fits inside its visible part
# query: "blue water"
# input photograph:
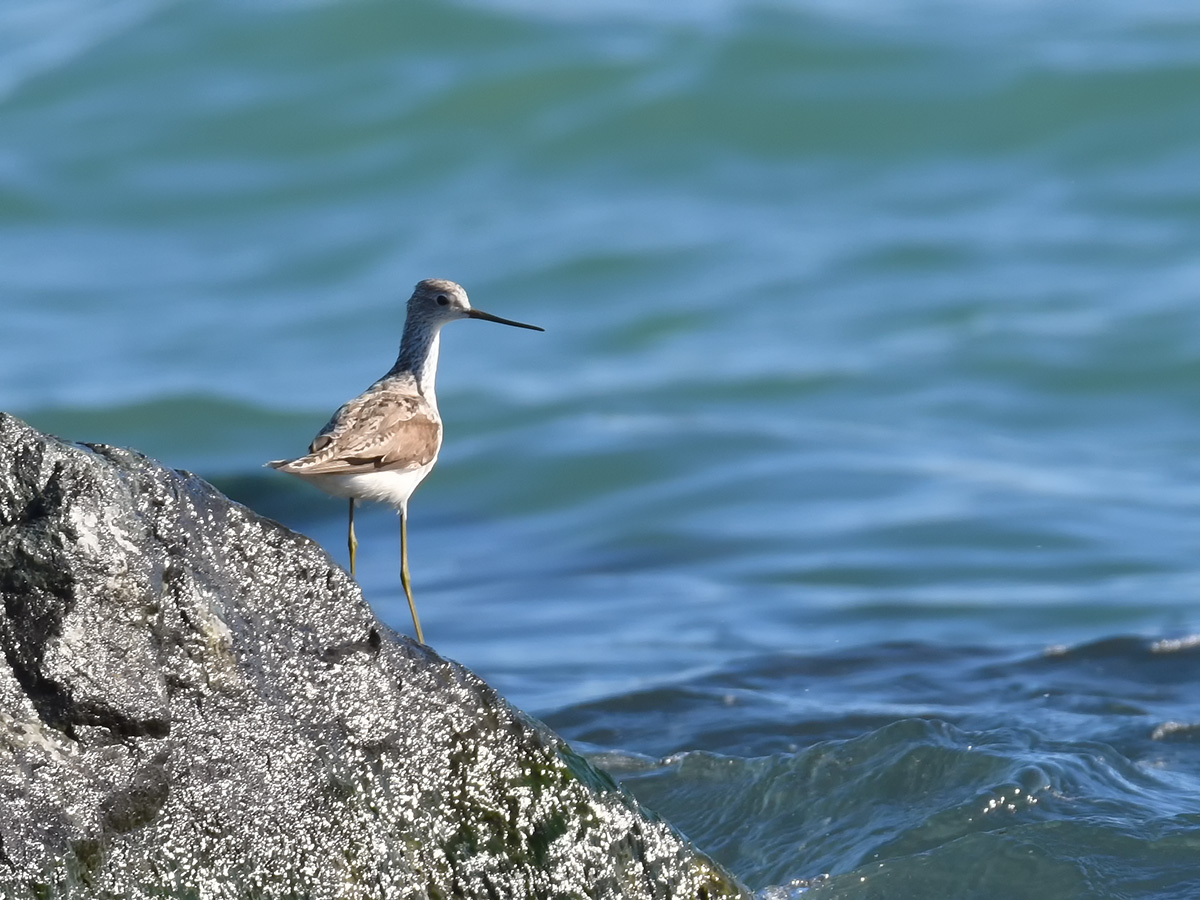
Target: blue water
(849, 507)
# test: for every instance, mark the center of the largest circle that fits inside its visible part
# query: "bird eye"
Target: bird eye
(442, 299)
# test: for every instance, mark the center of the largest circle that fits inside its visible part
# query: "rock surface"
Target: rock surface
(197, 702)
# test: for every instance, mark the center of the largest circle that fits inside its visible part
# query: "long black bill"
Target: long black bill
(488, 317)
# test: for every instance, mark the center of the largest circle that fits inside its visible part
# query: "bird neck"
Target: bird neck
(419, 356)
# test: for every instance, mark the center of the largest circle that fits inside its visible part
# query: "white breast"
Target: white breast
(392, 487)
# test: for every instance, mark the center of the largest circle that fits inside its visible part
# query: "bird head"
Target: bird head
(436, 301)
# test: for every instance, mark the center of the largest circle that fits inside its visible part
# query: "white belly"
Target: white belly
(392, 487)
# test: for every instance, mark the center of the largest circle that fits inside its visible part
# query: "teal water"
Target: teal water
(849, 507)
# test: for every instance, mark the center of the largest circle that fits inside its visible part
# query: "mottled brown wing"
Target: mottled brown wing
(381, 430)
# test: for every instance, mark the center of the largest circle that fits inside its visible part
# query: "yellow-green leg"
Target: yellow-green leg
(352, 540)
(404, 579)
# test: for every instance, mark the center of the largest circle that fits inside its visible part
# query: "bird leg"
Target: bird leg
(404, 579)
(352, 540)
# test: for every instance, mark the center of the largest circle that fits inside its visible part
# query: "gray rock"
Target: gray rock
(197, 702)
